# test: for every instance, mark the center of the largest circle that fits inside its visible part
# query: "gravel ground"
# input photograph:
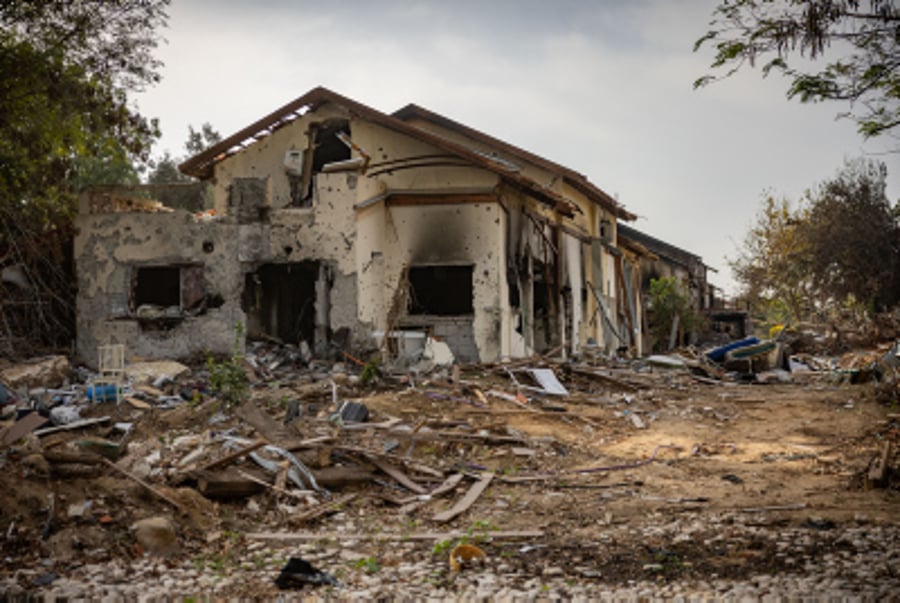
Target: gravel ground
(820, 562)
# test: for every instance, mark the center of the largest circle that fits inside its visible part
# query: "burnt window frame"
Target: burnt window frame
(417, 305)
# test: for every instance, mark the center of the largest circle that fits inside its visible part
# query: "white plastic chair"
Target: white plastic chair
(111, 369)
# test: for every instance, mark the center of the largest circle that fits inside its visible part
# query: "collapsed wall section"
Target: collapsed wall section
(164, 284)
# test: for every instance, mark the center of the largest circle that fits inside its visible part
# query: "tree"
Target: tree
(66, 69)
(772, 267)
(165, 169)
(165, 172)
(864, 71)
(670, 302)
(855, 235)
(840, 246)
(200, 140)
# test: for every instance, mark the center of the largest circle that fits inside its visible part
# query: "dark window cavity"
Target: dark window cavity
(441, 290)
(158, 286)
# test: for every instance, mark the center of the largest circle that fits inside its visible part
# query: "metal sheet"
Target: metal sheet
(548, 381)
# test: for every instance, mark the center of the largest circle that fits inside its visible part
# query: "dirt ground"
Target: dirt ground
(628, 447)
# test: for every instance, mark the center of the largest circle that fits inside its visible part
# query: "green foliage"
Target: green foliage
(773, 265)
(443, 546)
(839, 250)
(164, 171)
(669, 299)
(369, 373)
(855, 236)
(227, 377)
(368, 564)
(790, 32)
(66, 69)
(479, 531)
(200, 140)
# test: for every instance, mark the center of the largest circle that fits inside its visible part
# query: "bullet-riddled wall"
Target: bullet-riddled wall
(114, 250)
(310, 239)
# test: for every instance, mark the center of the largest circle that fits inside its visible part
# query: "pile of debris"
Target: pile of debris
(776, 360)
(163, 463)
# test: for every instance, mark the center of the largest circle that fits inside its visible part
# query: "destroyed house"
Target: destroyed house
(666, 260)
(334, 224)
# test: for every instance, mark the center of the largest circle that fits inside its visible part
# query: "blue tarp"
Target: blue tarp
(718, 354)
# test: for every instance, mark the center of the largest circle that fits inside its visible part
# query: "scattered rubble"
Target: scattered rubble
(591, 475)
(42, 372)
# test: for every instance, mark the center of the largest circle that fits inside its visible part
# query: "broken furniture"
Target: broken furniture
(110, 379)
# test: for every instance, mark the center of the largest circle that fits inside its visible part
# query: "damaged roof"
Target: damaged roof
(661, 248)
(201, 165)
(570, 176)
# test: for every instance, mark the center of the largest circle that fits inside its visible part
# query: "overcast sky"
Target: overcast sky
(603, 87)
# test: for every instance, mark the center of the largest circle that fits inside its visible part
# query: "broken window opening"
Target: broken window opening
(606, 230)
(280, 302)
(515, 298)
(325, 147)
(546, 331)
(158, 286)
(441, 290)
(328, 147)
(167, 292)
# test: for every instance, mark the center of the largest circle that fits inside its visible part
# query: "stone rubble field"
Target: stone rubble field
(640, 483)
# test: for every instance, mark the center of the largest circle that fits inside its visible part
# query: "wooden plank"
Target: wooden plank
(707, 380)
(299, 495)
(335, 478)
(138, 403)
(513, 399)
(282, 475)
(309, 443)
(466, 501)
(794, 507)
(228, 458)
(320, 510)
(391, 422)
(171, 501)
(22, 428)
(288, 537)
(415, 502)
(878, 473)
(449, 484)
(265, 425)
(67, 456)
(410, 464)
(622, 384)
(227, 485)
(71, 426)
(397, 474)
(480, 395)
(449, 436)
